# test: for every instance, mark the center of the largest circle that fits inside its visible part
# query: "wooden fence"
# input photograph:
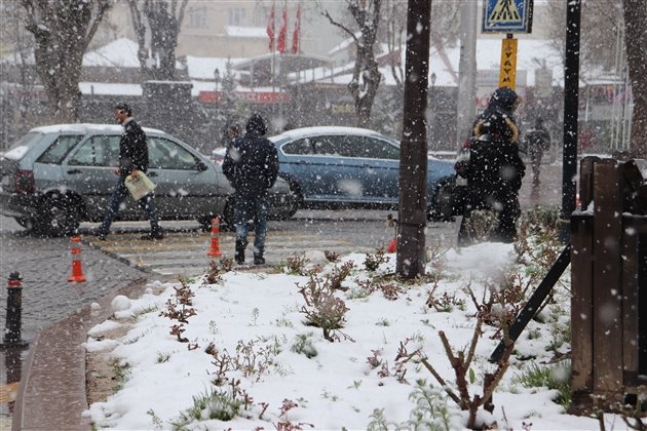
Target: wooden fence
(609, 286)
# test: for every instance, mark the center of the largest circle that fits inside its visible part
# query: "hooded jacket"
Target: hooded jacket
(495, 164)
(497, 121)
(251, 164)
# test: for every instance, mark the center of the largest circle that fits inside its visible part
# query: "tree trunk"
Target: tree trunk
(364, 94)
(366, 75)
(62, 31)
(410, 261)
(635, 12)
(156, 53)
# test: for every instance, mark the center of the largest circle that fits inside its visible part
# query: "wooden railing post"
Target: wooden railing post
(609, 285)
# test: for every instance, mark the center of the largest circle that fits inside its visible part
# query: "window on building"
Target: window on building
(197, 17)
(237, 16)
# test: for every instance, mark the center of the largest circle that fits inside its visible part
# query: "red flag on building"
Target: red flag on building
(281, 42)
(297, 30)
(270, 28)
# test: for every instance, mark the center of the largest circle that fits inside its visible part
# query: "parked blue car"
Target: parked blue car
(332, 167)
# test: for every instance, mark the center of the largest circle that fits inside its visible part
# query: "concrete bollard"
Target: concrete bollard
(14, 313)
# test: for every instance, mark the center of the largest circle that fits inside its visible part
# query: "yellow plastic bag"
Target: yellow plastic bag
(139, 186)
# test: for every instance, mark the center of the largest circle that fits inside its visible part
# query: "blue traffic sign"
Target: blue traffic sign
(507, 16)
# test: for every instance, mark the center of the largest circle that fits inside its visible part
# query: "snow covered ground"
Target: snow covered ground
(252, 361)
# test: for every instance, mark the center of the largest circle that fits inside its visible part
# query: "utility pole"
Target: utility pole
(410, 260)
(466, 72)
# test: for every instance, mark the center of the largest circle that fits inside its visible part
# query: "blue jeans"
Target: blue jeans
(118, 195)
(248, 210)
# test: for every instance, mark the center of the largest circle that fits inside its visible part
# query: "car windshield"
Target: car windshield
(19, 148)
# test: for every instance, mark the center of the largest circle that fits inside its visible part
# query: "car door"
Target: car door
(90, 172)
(314, 163)
(186, 184)
(47, 168)
(375, 165)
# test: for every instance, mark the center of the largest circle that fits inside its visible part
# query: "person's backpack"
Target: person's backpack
(474, 157)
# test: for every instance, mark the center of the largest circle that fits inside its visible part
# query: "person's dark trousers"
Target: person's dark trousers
(506, 230)
(535, 159)
(248, 210)
(476, 199)
(118, 195)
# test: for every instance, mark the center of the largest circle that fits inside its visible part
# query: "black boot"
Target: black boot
(258, 257)
(156, 233)
(239, 256)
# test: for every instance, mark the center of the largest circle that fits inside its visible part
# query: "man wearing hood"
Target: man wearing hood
(495, 167)
(251, 165)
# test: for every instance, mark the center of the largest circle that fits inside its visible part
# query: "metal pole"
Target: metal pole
(571, 93)
(535, 301)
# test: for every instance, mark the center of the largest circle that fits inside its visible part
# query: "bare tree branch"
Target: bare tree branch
(62, 31)
(162, 19)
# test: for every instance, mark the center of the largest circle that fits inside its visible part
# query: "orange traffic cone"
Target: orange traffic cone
(215, 234)
(392, 222)
(77, 270)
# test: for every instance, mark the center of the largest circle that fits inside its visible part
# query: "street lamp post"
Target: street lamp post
(216, 78)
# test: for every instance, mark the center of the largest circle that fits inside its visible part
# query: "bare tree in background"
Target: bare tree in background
(157, 25)
(607, 28)
(445, 20)
(18, 107)
(366, 75)
(635, 13)
(601, 23)
(62, 31)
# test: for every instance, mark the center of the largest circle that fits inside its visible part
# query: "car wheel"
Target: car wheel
(293, 209)
(227, 219)
(298, 195)
(286, 212)
(442, 203)
(205, 223)
(58, 215)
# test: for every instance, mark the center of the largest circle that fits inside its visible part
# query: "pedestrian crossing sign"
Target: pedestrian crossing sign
(507, 16)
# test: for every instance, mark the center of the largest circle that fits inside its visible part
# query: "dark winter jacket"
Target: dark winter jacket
(133, 149)
(495, 167)
(251, 164)
(538, 140)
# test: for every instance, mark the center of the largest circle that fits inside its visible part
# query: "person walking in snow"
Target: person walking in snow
(251, 165)
(495, 167)
(133, 159)
(537, 141)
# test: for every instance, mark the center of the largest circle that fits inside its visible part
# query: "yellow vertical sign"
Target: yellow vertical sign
(508, 70)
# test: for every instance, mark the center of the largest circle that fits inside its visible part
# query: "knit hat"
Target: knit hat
(256, 124)
(503, 98)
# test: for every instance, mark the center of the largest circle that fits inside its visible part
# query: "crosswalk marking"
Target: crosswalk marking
(186, 253)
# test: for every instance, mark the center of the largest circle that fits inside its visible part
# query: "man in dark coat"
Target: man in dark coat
(495, 167)
(133, 159)
(251, 165)
(537, 141)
